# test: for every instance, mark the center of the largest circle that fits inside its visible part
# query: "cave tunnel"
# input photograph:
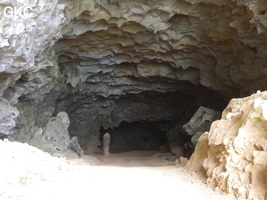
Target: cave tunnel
(136, 136)
(137, 122)
(126, 74)
(113, 64)
(140, 70)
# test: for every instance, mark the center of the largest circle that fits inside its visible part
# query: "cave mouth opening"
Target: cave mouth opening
(136, 122)
(120, 73)
(137, 136)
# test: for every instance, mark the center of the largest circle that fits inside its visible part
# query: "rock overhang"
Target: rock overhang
(168, 42)
(206, 43)
(105, 62)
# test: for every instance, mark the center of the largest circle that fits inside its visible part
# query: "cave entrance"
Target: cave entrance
(137, 136)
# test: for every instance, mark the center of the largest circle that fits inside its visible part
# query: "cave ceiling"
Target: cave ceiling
(70, 55)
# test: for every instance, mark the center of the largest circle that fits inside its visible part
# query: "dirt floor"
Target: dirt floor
(28, 173)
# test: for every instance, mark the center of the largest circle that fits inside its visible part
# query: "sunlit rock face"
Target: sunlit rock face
(104, 62)
(233, 153)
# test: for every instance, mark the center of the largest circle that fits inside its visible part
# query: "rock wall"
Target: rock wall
(108, 61)
(52, 62)
(8, 114)
(54, 138)
(200, 123)
(232, 155)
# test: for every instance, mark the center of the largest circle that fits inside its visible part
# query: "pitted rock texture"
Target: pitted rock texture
(136, 43)
(107, 61)
(200, 123)
(78, 55)
(233, 154)
(55, 138)
(8, 114)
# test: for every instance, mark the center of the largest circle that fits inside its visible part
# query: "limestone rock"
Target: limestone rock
(55, 136)
(177, 134)
(56, 132)
(200, 122)
(92, 145)
(178, 151)
(195, 163)
(75, 146)
(8, 114)
(181, 162)
(233, 153)
(105, 62)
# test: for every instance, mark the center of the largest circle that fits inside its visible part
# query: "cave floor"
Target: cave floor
(138, 159)
(28, 173)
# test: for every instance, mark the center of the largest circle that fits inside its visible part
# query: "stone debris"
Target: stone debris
(178, 151)
(181, 162)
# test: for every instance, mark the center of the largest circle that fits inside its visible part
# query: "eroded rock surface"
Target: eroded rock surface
(55, 138)
(107, 61)
(8, 115)
(233, 154)
(200, 123)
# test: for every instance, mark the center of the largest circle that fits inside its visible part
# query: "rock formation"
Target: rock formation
(233, 154)
(54, 138)
(178, 151)
(8, 114)
(200, 123)
(105, 62)
(106, 144)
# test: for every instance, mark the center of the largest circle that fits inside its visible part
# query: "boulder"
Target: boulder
(200, 122)
(178, 150)
(54, 137)
(8, 114)
(232, 155)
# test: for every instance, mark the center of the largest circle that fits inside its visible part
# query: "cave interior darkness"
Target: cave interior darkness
(136, 136)
(128, 67)
(139, 70)
(124, 79)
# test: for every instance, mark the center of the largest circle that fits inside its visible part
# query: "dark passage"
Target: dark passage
(136, 136)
